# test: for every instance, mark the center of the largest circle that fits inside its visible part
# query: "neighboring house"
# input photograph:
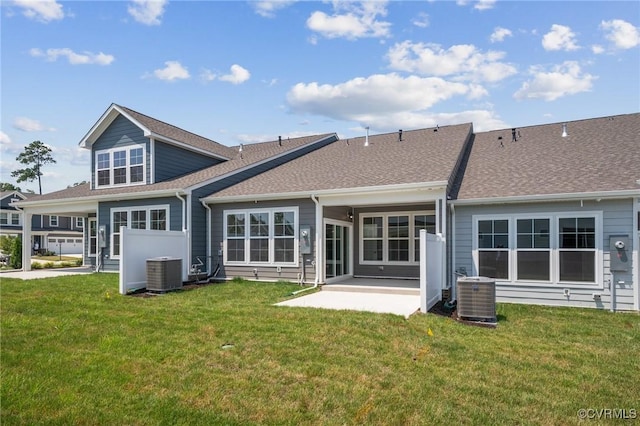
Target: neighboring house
(147, 174)
(536, 210)
(59, 234)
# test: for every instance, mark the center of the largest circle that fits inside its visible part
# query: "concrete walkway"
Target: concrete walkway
(398, 304)
(44, 273)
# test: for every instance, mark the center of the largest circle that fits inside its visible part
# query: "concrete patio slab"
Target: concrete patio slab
(398, 304)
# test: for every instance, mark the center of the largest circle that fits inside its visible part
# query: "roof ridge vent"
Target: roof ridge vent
(366, 138)
(564, 130)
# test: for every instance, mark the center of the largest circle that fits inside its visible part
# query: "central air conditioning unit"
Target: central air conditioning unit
(164, 274)
(476, 298)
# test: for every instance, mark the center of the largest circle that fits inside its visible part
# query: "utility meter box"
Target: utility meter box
(619, 250)
(305, 239)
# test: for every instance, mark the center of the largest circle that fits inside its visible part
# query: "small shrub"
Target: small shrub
(78, 262)
(49, 253)
(48, 265)
(36, 265)
(16, 253)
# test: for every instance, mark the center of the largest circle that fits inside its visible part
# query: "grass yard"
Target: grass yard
(76, 352)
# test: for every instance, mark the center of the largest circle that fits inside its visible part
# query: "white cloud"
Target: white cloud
(4, 138)
(622, 34)
(30, 125)
(562, 80)
(559, 38)
(422, 20)
(41, 10)
(484, 4)
(377, 95)
(499, 34)
(237, 75)
(351, 20)
(207, 75)
(147, 12)
(84, 58)
(268, 9)
(464, 61)
(597, 49)
(172, 71)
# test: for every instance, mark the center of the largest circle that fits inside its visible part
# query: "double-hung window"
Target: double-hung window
(93, 236)
(493, 248)
(261, 236)
(558, 248)
(9, 218)
(53, 220)
(154, 218)
(120, 166)
(393, 237)
(533, 249)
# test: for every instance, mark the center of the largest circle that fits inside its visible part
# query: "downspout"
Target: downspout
(185, 266)
(452, 275)
(208, 234)
(317, 250)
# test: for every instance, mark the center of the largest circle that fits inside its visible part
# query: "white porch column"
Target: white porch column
(320, 272)
(26, 240)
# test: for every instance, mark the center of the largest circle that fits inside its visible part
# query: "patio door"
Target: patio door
(337, 249)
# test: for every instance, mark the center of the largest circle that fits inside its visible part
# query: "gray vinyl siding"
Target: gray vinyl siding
(617, 219)
(120, 133)
(104, 218)
(306, 211)
(171, 161)
(399, 271)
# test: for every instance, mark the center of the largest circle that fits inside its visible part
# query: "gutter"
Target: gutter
(549, 197)
(363, 190)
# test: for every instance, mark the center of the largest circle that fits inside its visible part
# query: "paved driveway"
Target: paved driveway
(398, 304)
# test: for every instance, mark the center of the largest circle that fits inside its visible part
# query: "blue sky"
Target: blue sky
(241, 72)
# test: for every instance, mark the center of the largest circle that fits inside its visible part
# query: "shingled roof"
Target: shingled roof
(597, 155)
(427, 155)
(251, 155)
(173, 133)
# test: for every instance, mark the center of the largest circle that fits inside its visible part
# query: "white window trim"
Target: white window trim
(111, 151)
(10, 216)
(128, 210)
(89, 237)
(51, 221)
(247, 239)
(385, 236)
(79, 222)
(554, 219)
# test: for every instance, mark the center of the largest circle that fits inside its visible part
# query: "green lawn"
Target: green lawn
(76, 352)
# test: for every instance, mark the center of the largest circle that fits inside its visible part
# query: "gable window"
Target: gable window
(393, 237)
(120, 166)
(261, 236)
(560, 248)
(153, 217)
(53, 220)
